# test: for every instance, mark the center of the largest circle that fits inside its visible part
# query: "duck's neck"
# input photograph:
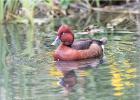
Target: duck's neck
(67, 45)
(63, 45)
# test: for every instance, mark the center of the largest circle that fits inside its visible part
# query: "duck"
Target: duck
(73, 50)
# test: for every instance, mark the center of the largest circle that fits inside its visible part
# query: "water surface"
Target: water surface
(115, 77)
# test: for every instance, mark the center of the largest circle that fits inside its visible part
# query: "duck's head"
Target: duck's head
(64, 35)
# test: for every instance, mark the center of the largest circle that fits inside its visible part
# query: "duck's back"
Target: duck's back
(81, 44)
(86, 43)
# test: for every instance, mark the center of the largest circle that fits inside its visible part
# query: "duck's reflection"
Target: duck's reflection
(68, 68)
(69, 80)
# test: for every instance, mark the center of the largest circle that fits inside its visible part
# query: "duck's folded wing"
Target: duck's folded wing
(82, 44)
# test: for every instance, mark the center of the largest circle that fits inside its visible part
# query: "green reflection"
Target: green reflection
(121, 66)
(3, 67)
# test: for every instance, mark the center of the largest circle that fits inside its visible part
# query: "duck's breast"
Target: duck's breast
(65, 53)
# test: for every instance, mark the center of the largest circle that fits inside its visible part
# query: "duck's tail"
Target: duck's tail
(103, 41)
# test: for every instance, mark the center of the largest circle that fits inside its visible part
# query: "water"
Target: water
(115, 77)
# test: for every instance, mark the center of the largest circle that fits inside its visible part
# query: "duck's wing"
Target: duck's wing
(85, 43)
(82, 44)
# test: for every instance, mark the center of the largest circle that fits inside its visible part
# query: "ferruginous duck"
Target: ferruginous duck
(70, 50)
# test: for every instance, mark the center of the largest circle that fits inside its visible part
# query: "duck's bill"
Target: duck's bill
(56, 41)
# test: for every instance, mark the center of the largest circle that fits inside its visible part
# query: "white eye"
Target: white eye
(63, 33)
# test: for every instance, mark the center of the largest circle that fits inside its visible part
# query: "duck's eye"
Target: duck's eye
(63, 33)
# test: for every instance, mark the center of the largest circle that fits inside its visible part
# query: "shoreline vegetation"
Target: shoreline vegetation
(26, 10)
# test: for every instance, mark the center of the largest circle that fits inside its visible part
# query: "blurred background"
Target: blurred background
(27, 69)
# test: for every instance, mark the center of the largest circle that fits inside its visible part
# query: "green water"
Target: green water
(38, 77)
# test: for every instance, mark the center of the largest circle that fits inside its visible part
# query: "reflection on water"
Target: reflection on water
(68, 68)
(123, 69)
(40, 78)
(122, 77)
